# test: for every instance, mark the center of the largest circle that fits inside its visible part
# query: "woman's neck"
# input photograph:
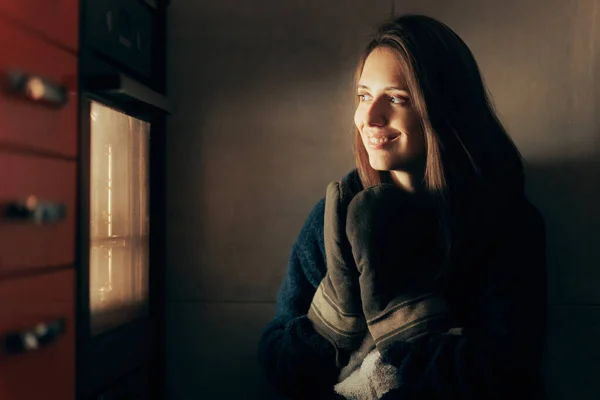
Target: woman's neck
(407, 180)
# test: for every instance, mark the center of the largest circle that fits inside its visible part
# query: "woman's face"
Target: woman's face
(385, 117)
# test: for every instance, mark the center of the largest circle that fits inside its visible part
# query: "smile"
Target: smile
(380, 142)
(375, 140)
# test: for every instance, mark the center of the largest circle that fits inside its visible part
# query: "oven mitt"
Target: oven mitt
(394, 244)
(336, 310)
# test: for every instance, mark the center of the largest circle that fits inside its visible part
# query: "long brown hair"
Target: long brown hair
(468, 149)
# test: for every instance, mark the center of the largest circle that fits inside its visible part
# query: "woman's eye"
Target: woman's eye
(363, 97)
(399, 100)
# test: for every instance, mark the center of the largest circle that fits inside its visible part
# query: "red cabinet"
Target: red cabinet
(38, 97)
(37, 329)
(56, 20)
(37, 202)
(38, 182)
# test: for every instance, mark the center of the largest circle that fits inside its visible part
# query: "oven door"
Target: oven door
(121, 229)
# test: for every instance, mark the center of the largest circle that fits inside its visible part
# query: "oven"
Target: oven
(120, 247)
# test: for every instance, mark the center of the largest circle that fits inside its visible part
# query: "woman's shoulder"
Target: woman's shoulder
(503, 234)
(518, 214)
(309, 247)
(497, 209)
(313, 224)
(496, 223)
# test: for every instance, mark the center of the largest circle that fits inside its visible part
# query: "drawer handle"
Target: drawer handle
(37, 89)
(32, 339)
(35, 211)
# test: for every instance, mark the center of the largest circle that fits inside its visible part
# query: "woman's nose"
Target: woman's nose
(376, 114)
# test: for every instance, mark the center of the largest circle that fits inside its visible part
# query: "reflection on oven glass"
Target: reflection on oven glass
(119, 218)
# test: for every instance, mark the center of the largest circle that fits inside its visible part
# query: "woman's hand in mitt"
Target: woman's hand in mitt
(394, 239)
(336, 310)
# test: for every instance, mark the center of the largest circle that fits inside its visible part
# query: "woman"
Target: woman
(421, 274)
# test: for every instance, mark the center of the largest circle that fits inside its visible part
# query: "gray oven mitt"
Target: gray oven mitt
(336, 310)
(394, 241)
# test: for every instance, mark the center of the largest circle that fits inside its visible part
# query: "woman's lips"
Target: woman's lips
(380, 141)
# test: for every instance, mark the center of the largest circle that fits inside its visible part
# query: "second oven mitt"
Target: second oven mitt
(336, 310)
(394, 241)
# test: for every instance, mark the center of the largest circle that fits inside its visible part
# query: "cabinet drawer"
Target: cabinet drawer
(57, 20)
(48, 370)
(38, 94)
(36, 234)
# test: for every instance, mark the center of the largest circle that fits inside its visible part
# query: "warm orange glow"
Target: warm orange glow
(118, 218)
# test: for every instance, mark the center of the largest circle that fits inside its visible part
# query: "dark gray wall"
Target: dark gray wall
(264, 107)
(263, 91)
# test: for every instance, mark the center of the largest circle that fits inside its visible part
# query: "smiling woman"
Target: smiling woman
(388, 123)
(421, 274)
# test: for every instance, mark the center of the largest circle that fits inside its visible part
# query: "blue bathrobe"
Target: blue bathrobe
(497, 290)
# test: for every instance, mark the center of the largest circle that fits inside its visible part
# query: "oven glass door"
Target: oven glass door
(119, 218)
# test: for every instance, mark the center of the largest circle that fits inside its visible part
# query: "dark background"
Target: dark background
(264, 105)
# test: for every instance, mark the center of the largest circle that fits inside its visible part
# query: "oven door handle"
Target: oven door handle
(122, 86)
